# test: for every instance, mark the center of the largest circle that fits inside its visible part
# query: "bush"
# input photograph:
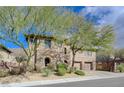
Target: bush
(79, 72)
(46, 72)
(51, 66)
(120, 68)
(3, 73)
(14, 71)
(71, 69)
(62, 65)
(61, 71)
(17, 70)
(30, 68)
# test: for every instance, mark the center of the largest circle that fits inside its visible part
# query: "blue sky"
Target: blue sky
(99, 16)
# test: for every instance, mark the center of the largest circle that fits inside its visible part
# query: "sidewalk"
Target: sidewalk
(99, 75)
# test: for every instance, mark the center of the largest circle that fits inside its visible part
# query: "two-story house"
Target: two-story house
(50, 52)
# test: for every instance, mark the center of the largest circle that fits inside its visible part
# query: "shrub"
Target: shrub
(15, 71)
(71, 69)
(46, 72)
(61, 71)
(120, 68)
(62, 65)
(51, 66)
(30, 68)
(79, 72)
(3, 73)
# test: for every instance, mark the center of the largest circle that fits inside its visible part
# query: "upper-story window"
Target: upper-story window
(65, 50)
(88, 53)
(47, 43)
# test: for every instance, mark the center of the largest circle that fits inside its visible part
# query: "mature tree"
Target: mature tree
(16, 22)
(86, 37)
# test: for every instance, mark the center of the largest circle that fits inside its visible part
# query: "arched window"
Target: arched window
(47, 61)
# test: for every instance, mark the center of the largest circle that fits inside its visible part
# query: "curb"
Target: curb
(65, 80)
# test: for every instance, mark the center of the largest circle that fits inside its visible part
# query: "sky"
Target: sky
(101, 15)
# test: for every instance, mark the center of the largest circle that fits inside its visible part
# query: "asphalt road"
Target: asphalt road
(111, 82)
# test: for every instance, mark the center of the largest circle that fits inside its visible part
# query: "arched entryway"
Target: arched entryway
(47, 61)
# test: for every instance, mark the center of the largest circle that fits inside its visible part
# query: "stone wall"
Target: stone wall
(7, 57)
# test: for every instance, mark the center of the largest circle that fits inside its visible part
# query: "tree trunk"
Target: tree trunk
(73, 59)
(28, 60)
(35, 56)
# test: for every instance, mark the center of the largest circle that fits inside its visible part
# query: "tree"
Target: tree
(86, 37)
(19, 21)
(80, 36)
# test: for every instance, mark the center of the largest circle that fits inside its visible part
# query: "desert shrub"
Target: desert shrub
(20, 59)
(18, 70)
(14, 71)
(71, 69)
(46, 72)
(51, 67)
(120, 68)
(79, 72)
(23, 69)
(30, 68)
(3, 73)
(62, 65)
(61, 71)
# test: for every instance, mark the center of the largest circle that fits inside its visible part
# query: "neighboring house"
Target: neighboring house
(110, 65)
(50, 52)
(5, 54)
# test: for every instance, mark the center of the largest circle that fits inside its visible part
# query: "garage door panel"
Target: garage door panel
(87, 66)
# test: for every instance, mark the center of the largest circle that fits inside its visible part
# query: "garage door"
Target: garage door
(88, 66)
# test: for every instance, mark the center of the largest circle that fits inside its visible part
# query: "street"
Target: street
(111, 82)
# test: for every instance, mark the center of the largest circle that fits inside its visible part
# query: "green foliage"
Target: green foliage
(61, 71)
(79, 72)
(3, 73)
(46, 72)
(105, 37)
(20, 59)
(51, 66)
(62, 65)
(120, 68)
(71, 69)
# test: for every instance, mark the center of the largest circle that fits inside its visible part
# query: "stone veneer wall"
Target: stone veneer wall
(4, 56)
(55, 53)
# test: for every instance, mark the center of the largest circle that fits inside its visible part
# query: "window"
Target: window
(47, 61)
(65, 51)
(88, 53)
(47, 43)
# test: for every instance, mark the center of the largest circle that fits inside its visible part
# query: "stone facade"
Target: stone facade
(6, 56)
(56, 53)
(53, 53)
